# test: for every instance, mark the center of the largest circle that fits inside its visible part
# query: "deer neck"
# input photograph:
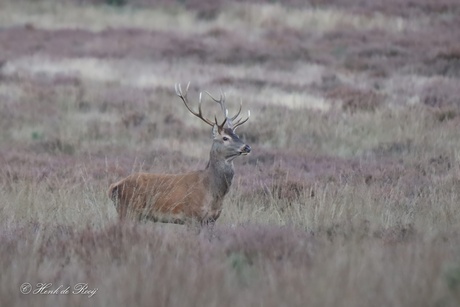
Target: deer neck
(220, 174)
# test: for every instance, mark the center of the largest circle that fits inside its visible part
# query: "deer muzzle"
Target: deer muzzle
(246, 149)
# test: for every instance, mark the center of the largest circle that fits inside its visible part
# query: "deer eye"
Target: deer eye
(225, 138)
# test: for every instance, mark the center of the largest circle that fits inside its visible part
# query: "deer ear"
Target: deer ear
(215, 130)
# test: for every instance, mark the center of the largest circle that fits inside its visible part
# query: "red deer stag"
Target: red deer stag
(193, 196)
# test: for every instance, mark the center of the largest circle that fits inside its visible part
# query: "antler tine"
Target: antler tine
(221, 102)
(240, 122)
(238, 113)
(183, 96)
(224, 107)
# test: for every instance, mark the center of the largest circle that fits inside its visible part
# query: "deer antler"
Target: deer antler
(229, 120)
(240, 122)
(182, 96)
(220, 101)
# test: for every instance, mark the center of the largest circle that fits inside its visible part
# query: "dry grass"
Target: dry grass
(350, 197)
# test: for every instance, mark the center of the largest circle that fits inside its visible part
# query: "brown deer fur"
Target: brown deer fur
(194, 196)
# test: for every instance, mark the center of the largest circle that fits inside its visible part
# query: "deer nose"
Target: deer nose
(246, 149)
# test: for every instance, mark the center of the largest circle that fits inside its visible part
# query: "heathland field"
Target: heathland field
(350, 197)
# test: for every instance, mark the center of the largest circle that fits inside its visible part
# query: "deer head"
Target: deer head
(226, 143)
